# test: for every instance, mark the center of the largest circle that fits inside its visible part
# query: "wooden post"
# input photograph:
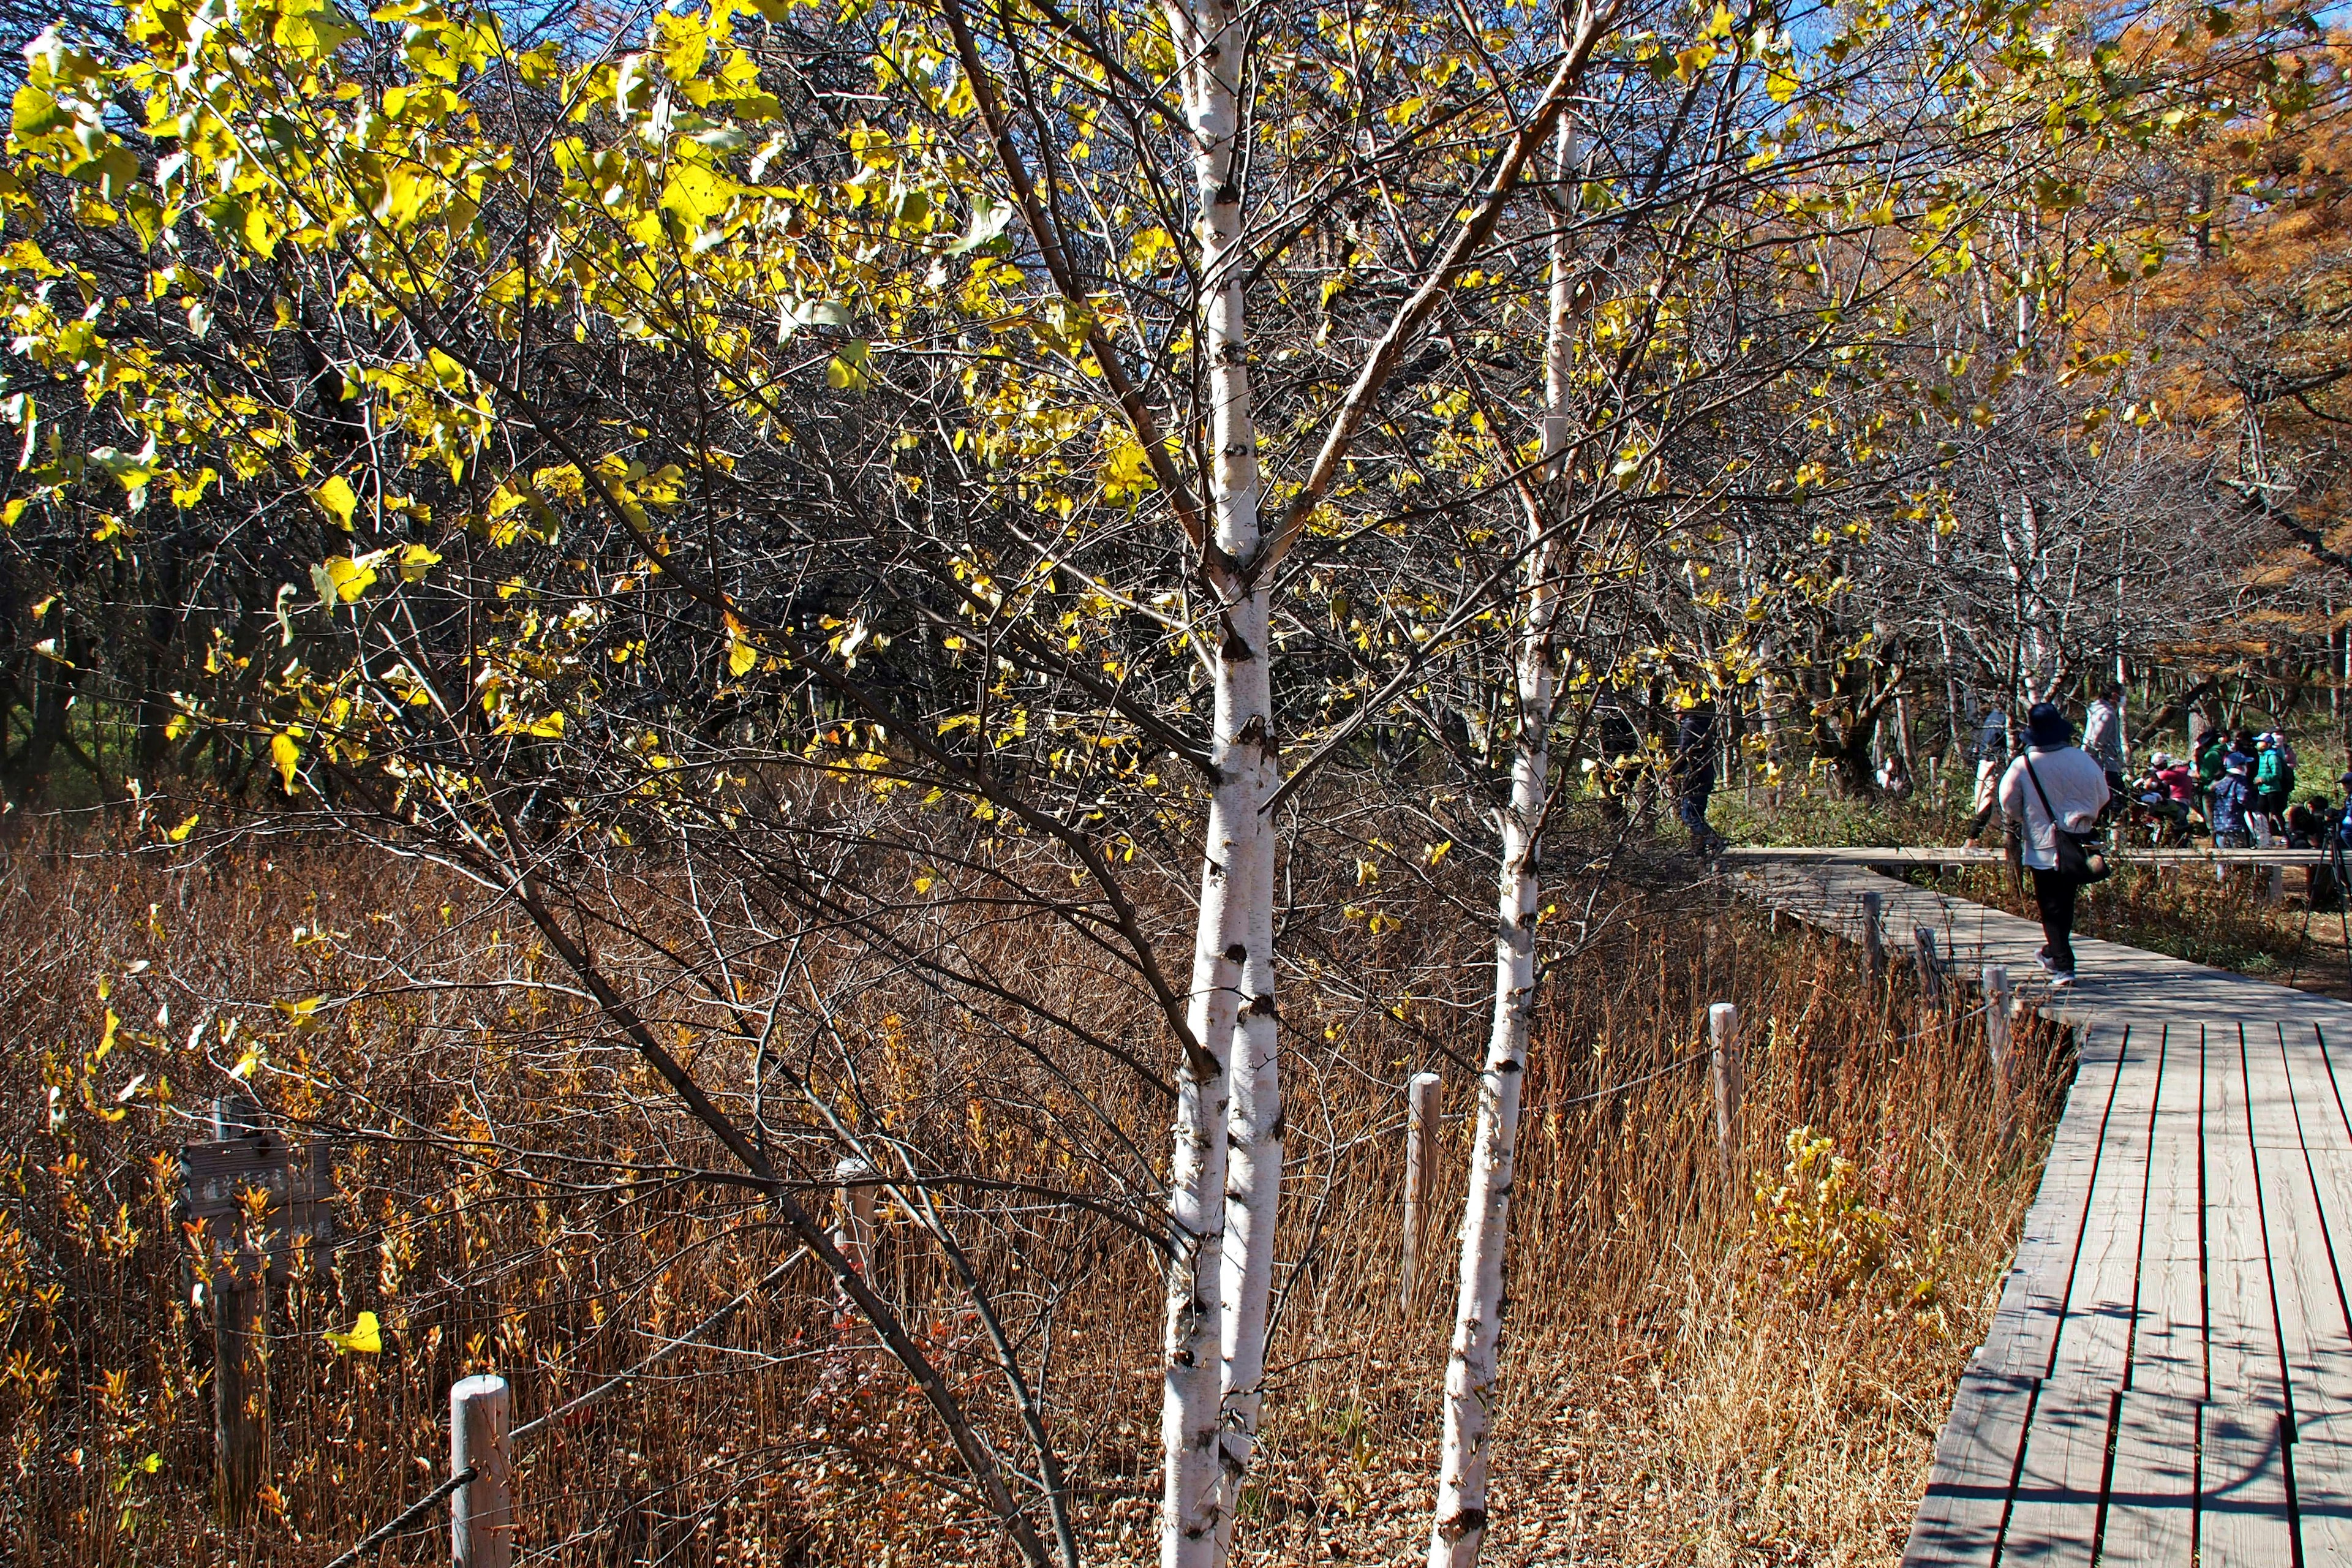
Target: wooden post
(853, 1233)
(1996, 992)
(2275, 885)
(1873, 935)
(1420, 1108)
(240, 1376)
(1730, 1079)
(481, 1512)
(853, 1226)
(1931, 973)
(240, 1301)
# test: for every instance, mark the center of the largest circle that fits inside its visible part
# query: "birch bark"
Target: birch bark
(1217, 1283)
(1459, 1525)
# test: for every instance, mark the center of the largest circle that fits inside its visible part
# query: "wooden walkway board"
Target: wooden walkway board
(2168, 1379)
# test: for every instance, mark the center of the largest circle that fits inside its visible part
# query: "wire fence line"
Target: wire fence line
(405, 1518)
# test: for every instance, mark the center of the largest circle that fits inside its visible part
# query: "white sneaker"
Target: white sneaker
(2043, 959)
(2060, 980)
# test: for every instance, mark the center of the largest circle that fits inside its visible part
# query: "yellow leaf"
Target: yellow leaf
(741, 655)
(287, 756)
(852, 368)
(352, 577)
(366, 1336)
(336, 499)
(180, 835)
(697, 195)
(415, 560)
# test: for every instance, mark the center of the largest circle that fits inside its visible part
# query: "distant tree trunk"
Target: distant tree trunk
(28, 772)
(1849, 761)
(150, 746)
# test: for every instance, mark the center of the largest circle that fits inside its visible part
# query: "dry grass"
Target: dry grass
(1696, 1374)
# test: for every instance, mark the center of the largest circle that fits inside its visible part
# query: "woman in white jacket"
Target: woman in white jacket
(2055, 784)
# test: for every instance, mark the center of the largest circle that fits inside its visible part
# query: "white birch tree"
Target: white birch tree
(1471, 1370)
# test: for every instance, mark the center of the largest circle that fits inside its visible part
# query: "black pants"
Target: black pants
(2053, 895)
(1691, 807)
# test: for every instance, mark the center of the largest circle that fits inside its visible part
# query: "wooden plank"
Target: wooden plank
(2024, 1334)
(2096, 1333)
(2242, 1514)
(2168, 1355)
(2338, 1070)
(2320, 1464)
(2241, 1350)
(2315, 1336)
(2053, 1520)
(1975, 1462)
(2151, 1521)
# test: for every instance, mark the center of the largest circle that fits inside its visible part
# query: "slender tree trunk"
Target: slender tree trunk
(1218, 1284)
(1459, 1528)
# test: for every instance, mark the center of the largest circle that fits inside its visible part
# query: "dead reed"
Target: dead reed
(1697, 1372)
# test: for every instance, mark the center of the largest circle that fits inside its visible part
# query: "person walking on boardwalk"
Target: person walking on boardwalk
(1992, 757)
(2102, 735)
(1694, 772)
(2055, 784)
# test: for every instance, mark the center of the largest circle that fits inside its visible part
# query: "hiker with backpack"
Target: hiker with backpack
(2273, 780)
(2233, 803)
(2052, 797)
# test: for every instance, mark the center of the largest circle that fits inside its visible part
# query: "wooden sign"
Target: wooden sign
(297, 1186)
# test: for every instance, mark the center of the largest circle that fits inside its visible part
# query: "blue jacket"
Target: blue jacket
(2229, 797)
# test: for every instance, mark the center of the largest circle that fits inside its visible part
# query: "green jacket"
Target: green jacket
(2209, 760)
(2269, 770)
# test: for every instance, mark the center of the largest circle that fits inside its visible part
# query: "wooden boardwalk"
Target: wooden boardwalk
(2168, 1376)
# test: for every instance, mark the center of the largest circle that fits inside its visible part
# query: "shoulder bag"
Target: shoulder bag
(2079, 854)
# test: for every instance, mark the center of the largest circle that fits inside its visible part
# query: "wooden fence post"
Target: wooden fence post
(240, 1351)
(1730, 1079)
(240, 1376)
(1996, 1003)
(1873, 935)
(852, 1236)
(853, 1227)
(1421, 1109)
(1931, 973)
(481, 1512)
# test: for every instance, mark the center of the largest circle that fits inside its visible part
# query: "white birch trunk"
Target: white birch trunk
(1217, 1291)
(1459, 1525)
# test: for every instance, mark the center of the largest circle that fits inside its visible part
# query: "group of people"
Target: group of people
(2243, 786)
(2240, 788)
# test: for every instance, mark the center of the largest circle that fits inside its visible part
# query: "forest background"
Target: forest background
(636, 624)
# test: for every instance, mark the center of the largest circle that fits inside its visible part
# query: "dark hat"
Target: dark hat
(2048, 727)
